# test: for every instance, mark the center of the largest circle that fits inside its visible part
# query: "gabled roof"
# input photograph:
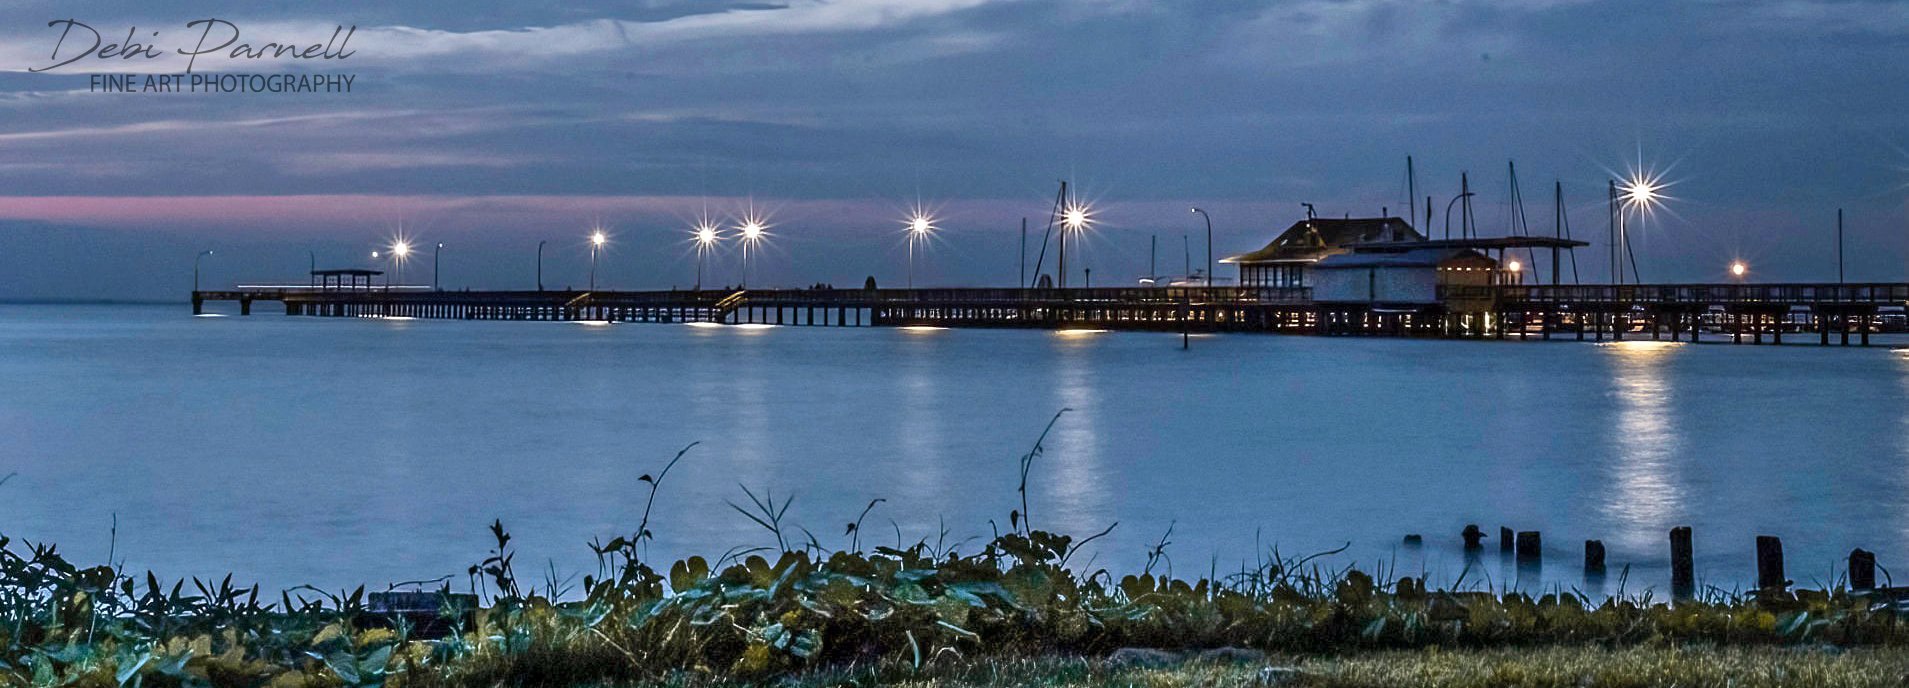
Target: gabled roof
(1414, 258)
(1310, 240)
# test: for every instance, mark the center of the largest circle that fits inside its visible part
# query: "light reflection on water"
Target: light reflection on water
(1646, 502)
(1078, 483)
(345, 451)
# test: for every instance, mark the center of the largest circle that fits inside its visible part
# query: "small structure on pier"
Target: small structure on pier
(1415, 276)
(345, 278)
(1288, 260)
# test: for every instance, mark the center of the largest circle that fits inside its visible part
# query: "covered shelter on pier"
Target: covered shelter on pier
(1415, 276)
(1497, 247)
(1288, 259)
(344, 278)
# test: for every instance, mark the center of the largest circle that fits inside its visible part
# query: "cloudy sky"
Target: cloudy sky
(492, 125)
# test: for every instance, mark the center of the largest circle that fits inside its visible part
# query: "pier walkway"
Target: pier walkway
(1744, 313)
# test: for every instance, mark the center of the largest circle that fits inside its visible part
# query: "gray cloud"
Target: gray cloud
(1778, 111)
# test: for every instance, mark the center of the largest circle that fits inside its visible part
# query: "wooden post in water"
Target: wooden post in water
(1770, 565)
(1683, 582)
(1862, 569)
(1593, 557)
(1530, 547)
(1504, 539)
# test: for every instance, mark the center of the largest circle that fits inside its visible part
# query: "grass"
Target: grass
(1682, 667)
(1009, 610)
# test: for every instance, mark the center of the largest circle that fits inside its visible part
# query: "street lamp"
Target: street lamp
(1515, 268)
(597, 239)
(1209, 245)
(195, 267)
(752, 230)
(1738, 270)
(706, 238)
(540, 264)
(920, 227)
(400, 250)
(1075, 218)
(434, 261)
(1448, 211)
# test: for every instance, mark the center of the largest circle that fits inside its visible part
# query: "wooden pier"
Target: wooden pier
(1743, 313)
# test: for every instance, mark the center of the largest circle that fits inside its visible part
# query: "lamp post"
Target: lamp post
(540, 264)
(751, 230)
(596, 246)
(1076, 219)
(1209, 246)
(313, 279)
(434, 263)
(195, 267)
(1448, 211)
(919, 228)
(399, 252)
(706, 238)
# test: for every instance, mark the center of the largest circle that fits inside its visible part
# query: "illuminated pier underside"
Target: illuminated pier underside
(1681, 312)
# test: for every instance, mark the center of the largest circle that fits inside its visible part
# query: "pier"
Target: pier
(1843, 314)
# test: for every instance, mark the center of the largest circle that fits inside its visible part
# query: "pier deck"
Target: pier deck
(1678, 312)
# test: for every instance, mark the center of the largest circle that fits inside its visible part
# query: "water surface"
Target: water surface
(346, 451)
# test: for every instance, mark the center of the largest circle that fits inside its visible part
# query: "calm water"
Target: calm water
(335, 451)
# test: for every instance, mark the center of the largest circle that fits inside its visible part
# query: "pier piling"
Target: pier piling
(1770, 565)
(1683, 582)
(1530, 547)
(1862, 569)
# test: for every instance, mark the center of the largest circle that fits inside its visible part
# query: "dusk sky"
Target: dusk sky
(491, 125)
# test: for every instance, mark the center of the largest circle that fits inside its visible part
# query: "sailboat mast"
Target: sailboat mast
(1411, 190)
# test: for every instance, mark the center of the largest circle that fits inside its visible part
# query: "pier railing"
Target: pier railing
(1115, 295)
(713, 297)
(1686, 294)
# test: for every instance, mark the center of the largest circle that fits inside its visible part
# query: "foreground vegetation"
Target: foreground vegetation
(1014, 610)
(1574, 667)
